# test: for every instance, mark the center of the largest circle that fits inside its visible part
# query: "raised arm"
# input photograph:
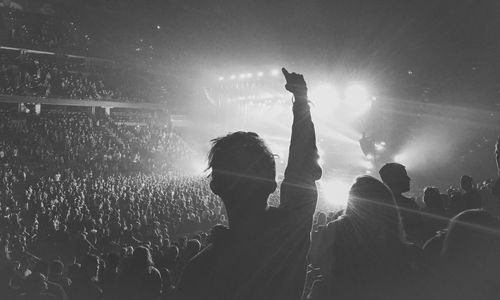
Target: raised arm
(496, 185)
(298, 190)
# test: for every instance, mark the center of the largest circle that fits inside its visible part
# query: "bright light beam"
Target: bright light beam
(356, 97)
(325, 98)
(335, 192)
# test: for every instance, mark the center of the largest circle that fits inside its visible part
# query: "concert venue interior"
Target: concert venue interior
(111, 187)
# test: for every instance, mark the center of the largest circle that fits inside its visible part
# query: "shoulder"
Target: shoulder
(200, 263)
(154, 272)
(339, 224)
(194, 276)
(406, 201)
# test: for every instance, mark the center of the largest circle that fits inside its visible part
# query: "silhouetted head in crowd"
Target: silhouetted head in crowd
(166, 277)
(433, 199)
(36, 283)
(56, 268)
(41, 267)
(396, 178)
(243, 171)
(112, 261)
(90, 266)
(470, 255)
(372, 204)
(193, 247)
(217, 234)
(466, 183)
(141, 258)
(171, 253)
(73, 271)
(473, 236)
(321, 219)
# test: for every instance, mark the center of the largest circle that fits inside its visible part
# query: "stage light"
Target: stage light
(275, 72)
(325, 97)
(379, 147)
(249, 75)
(260, 74)
(335, 192)
(221, 78)
(242, 76)
(356, 94)
(233, 77)
(367, 164)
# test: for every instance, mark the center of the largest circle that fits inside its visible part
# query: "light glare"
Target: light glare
(356, 97)
(325, 97)
(335, 192)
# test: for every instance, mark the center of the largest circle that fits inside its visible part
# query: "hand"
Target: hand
(295, 83)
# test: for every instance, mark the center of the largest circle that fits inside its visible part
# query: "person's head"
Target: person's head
(36, 283)
(90, 266)
(56, 268)
(321, 219)
(371, 203)
(166, 277)
(432, 198)
(470, 253)
(171, 253)
(112, 260)
(242, 164)
(466, 183)
(42, 267)
(193, 247)
(74, 270)
(218, 234)
(141, 258)
(472, 235)
(396, 178)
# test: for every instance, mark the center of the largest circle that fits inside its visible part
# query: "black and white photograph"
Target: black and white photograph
(249, 149)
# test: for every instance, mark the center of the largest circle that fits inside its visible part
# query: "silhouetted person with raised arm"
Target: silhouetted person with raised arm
(394, 175)
(262, 255)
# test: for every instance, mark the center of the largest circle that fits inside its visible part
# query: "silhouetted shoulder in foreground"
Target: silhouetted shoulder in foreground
(364, 252)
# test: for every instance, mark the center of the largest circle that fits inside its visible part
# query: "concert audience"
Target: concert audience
(25, 74)
(93, 209)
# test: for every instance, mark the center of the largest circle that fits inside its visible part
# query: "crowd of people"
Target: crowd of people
(40, 28)
(47, 76)
(96, 209)
(62, 27)
(74, 184)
